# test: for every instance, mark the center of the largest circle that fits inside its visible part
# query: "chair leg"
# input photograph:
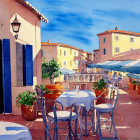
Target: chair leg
(99, 125)
(85, 115)
(92, 121)
(114, 128)
(69, 122)
(45, 135)
(76, 129)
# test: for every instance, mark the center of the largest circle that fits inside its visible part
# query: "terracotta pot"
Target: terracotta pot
(139, 89)
(52, 96)
(131, 86)
(98, 92)
(56, 89)
(29, 112)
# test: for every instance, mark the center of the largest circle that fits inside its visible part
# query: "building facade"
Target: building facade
(114, 42)
(20, 60)
(68, 56)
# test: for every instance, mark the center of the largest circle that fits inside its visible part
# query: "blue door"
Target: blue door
(6, 76)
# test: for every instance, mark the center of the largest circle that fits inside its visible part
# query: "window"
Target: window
(104, 40)
(131, 48)
(43, 53)
(79, 63)
(131, 39)
(60, 52)
(116, 38)
(74, 53)
(64, 63)
(70, 62)
(104, 51)
(117, 49)
(70, 51)
(65, 53)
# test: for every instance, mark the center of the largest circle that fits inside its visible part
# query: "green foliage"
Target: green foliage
(43, 87)
(26, 98)
(135, 82)
(99, 85)
(50, 69)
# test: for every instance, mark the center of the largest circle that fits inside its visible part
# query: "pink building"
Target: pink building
(115, 42)
(20, 60)
(96, 56)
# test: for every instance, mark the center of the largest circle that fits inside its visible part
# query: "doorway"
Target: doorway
(1, 81)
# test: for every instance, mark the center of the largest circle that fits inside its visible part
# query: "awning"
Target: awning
(66, 71)
(124, 66)
(135, 76)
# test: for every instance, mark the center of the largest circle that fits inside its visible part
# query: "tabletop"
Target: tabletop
(14, 131)
(78, 97)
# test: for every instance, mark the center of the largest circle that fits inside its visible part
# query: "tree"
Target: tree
(51, 70)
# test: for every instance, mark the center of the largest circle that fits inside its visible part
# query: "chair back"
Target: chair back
(38, 91)
(113, 95)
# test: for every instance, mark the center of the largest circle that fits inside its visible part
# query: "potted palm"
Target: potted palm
(27, 101)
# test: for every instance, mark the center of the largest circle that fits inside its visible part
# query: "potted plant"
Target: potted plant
(134, 83)
(51, 91)
(27, 101)
(99, 88)
(138, 87)
(50, 70)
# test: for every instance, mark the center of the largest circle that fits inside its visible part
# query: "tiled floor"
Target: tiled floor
(127, 119)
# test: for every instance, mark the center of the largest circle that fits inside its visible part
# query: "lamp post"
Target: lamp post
(15, 26)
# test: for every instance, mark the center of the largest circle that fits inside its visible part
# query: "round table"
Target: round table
(85, 97)
(14, 131)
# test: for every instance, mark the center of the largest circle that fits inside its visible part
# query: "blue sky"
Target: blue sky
(76, 22)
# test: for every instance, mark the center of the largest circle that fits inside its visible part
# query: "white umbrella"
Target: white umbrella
(66, 71)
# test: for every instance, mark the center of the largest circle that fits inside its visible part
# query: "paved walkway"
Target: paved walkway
(127, 119)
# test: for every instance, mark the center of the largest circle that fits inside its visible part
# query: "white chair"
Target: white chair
(107, 108)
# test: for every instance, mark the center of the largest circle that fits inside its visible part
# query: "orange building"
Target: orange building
(68, 56)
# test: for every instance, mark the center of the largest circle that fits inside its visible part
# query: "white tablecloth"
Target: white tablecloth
(14, 131)
(85, 97)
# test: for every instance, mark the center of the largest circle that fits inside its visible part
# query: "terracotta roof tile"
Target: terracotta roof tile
(119, 31)
(33, 9)
(61, 45)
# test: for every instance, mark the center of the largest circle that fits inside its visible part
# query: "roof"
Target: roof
(96, 50)
(33, 9)
(119, 32)
(129, 55)
(61, 45)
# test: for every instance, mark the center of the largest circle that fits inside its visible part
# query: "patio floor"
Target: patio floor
(127, 119)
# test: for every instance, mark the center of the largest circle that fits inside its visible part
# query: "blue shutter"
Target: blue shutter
(6, 68)
(27, 65)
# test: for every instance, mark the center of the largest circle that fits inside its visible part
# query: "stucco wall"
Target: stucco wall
(29, 34)
(124, 43)
(107, 45)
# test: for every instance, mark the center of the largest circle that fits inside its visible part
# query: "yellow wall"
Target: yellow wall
(124, 43)
(69, 58)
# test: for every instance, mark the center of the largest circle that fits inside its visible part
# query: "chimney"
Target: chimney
(48, 41)
(116, 28)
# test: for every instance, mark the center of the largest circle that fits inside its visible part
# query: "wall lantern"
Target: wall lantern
(15, 26)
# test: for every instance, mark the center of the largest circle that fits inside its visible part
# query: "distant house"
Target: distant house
(68, 56)
(20, 60)
(113, 42)
(96, 56)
